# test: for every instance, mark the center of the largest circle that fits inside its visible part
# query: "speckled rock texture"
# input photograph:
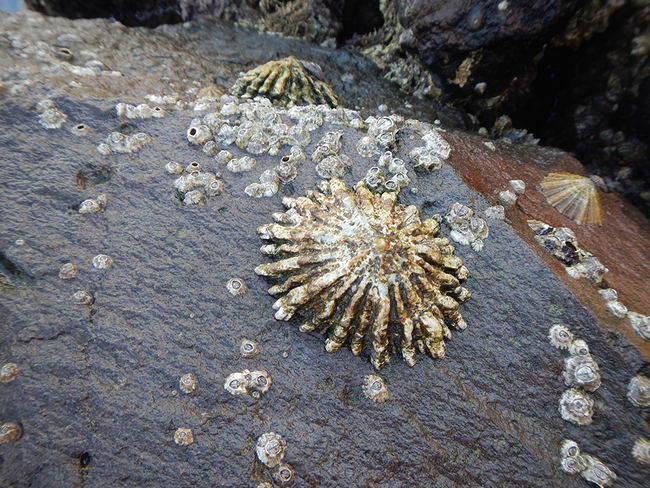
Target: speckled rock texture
(97, 394)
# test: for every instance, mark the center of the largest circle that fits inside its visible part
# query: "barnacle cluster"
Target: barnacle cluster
(574, 196)
(257, 127)
(50, 117)
(271, 449)
(580, 374)
(589, 467)
(466, 228)
(359, 265)
(194, 184)
(286, 81)
(141, 111)
(580, 369)
(562, 244)
(253, 383)
(116, 142)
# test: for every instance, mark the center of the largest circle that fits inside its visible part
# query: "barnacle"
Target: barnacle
(286, 81)
(365, 269)
(574, 196)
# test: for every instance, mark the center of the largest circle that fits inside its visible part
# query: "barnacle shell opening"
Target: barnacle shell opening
(366, 270)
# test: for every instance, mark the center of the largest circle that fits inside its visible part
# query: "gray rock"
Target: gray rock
(97, 394)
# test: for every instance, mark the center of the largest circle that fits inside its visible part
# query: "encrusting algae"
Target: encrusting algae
(358, 265)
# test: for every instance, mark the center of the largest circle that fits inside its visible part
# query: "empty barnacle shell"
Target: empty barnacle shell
(576, 407)
(560, 336)
(236, 286)
(375, 388)
(10, 432)
(357, 264)
(283, 474)
(8, 372)
(581, 372)
(574, 196)
(187, 383)
(638, 391)
(641, 451)
(68, 271)
(270, 449)
(286, 81)
(248, 348)
(183, 436)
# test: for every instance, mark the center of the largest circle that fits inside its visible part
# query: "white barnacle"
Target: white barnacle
(576, 407)
(355, 263)
(560, 336)
(581, 371)
(270, 449)
(236, 286)
(375, 389)
(248, 348)
(638, 391)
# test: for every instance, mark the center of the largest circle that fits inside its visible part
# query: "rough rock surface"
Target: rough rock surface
(97, 392)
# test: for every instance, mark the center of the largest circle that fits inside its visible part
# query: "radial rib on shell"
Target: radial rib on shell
(286, 81)
(365, 269)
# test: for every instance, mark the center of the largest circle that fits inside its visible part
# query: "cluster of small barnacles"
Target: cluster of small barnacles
(561, 243)
(246, 382)
(271, 449)
(589, 467)
(194, 184)
(466, 228)
(116, 142)
(580, 374)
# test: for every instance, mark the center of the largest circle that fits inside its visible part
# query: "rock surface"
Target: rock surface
(97, 393)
